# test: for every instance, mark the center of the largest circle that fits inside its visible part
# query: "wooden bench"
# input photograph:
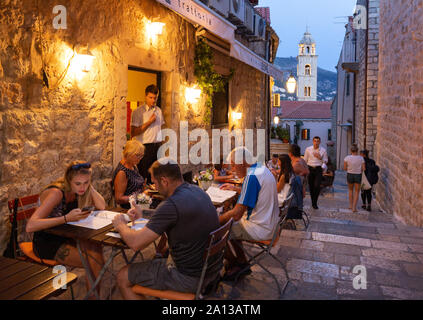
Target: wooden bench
(21, 280)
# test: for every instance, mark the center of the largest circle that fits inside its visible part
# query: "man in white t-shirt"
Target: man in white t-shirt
(315, 156)
(256, 212)
(146, 127)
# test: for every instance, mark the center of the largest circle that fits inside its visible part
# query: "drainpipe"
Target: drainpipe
(365, 75)
(269, 103)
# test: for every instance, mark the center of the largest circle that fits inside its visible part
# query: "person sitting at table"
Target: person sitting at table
(274, 165)
(61, 202)
(285, 178)
(328, 175)
(126, 178)
(221, 172)
(187, 216)
(256, 211)
(299, 165)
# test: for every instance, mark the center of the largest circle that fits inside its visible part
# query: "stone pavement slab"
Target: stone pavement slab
(390, 255)
(341, 239)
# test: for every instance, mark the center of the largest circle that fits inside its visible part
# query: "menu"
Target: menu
(220, 196)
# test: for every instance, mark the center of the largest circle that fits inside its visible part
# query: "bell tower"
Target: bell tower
(307, 69)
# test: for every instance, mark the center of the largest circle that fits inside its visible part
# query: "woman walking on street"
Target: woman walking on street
(354, 165)
(371, 172)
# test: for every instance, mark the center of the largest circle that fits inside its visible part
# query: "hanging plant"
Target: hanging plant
(208, 80)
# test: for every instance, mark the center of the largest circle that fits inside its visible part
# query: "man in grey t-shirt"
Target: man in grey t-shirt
(187, 216)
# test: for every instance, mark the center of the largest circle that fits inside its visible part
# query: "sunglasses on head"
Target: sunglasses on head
(78, 166)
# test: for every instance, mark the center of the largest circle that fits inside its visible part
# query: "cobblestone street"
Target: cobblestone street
(320, 260)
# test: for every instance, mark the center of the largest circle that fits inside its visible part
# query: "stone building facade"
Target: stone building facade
(343, 112)
(83, 115)
(399, 142)
(367, 33)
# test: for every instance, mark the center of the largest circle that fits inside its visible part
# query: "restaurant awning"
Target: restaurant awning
(198, 13)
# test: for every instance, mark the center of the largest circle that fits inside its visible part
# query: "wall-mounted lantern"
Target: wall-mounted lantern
(83, 58)
(236, 115)
(192, 95)
(154, 29)
(291, 84)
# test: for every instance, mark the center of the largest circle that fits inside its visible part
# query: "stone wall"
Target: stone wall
(400, 110)
(366, 104)
(83, 115)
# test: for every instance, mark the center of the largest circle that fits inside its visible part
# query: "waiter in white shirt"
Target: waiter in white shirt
(146, 127)
(315, 156)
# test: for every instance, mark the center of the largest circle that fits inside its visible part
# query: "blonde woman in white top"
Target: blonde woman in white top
(354, 165)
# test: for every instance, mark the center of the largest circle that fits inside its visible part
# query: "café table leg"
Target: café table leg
(87, 270)
(114, 253)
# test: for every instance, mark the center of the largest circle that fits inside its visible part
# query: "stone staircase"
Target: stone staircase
(278, 148)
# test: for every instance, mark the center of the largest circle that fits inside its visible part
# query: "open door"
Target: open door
(138, 80)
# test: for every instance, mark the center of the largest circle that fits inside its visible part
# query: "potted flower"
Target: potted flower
(141, 200)
(205, 179)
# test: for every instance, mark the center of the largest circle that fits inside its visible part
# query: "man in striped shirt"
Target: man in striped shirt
(256, 212)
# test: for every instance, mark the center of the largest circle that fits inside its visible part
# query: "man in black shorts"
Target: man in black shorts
(187, 216)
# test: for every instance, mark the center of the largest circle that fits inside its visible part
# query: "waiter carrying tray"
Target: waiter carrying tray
(146, 127)
(315, 156)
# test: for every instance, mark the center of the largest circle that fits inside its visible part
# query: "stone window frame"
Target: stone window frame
(307, 135)
(307, 68)
(307, 91)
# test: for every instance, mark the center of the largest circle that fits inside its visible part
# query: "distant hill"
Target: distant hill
(326, 80)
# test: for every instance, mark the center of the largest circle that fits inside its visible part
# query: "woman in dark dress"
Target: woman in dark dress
(371, 173)
(126, 178)
(61, 202)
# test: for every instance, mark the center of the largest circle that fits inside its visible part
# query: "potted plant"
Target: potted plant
(205, 179)
(283, 134)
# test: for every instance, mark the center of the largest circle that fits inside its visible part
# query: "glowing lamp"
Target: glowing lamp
(236, 115)
(291, 84)
(192, 95)
(276, 120)
(83, 58)
(155, 28)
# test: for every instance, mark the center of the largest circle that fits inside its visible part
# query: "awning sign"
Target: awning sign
(242, 53)
(200, 14)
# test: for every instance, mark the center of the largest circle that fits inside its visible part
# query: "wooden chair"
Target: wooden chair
(216, 245)
(265, 247)
(21, 209)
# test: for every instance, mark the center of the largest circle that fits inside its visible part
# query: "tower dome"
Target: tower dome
(307, 39)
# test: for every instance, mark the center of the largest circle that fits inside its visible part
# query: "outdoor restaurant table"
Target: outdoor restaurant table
(96, 236)
(234, 181)
(22, 280)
